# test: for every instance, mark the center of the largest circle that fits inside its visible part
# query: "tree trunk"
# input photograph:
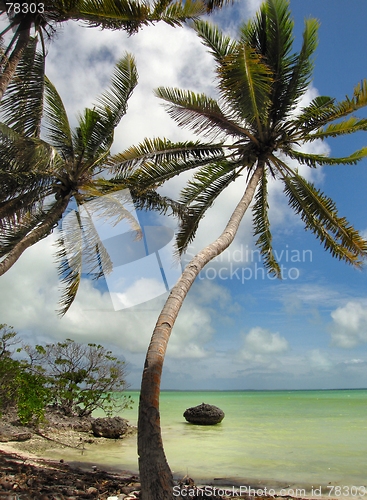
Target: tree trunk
(155, 475)
(35, 235)
(11, 64)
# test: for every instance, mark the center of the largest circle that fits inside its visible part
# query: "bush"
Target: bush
(81, 377)
(20, 389)
(74, 378)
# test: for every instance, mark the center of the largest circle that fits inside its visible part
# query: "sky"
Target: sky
(238, 328)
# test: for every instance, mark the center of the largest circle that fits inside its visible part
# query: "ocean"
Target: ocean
(307, 439)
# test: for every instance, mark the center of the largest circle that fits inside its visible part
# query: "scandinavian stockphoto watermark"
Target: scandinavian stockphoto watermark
(137, 260)
(244, 264)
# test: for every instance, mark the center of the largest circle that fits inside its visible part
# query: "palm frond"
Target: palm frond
(111, 207)
(271, 35)
(177, 13)
(57, 122)
(245, 84)
(320, 215)
(199, 195)
(13, 232)
(111, 106)
(130, 15)
(313, 160)
(219, 44)
(80, 250)
(143, 199)
(216, 4)
(261, 224)
(347, 126)
(156, 151)
(15, 239)
(25, 164)
(199, 113)
(22, 105)
(313, 115)
(332, 110)
(302, 69)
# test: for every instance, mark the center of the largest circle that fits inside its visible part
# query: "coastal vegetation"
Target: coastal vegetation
(74, 379)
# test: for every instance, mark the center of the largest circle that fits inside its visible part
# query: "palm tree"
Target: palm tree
(260, 133)
(42, 178)
(40, 19)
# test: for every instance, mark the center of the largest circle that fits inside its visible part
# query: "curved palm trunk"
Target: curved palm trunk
(36, 235)
(155, 474)
(11, 64)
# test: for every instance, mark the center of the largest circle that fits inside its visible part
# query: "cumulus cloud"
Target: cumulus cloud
(319, 360)
(262, 341)
(349, 327)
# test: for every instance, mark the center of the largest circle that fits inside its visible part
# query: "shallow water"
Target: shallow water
(308, 438)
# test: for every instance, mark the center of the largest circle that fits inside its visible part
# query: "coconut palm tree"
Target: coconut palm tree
(43, 178)
(260, 134)
(40, 19)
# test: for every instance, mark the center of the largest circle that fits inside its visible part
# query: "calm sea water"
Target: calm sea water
(305, 438)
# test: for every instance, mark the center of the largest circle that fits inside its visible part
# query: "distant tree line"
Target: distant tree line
(70, 377)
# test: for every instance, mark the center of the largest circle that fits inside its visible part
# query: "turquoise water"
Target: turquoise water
(307, 438)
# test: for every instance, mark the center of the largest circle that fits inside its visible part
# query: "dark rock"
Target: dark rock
(204, 414)
(110, 427)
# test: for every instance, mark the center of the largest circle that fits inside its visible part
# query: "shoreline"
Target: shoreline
(16, 463)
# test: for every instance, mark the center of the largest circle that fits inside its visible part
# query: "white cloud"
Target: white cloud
(349, 327)
(261, 341)
(320, 360)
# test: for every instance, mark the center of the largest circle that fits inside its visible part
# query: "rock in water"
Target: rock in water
(112, 428)
(204, 414)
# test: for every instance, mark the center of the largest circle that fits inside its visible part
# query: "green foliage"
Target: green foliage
(74, 378)
(20, 388)
(81, 377)
(260, 81)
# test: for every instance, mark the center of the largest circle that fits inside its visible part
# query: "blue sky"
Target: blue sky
(238, 329)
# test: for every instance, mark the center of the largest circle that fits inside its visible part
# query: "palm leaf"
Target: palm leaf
(22, 105)
(313, 160)
(245, 84)
(199, 195)
(348, 126)
(156, 151)
(177, 13)
(320, 215)
(57, 123)
(198, 112)
(130, 15)
(26, 164)
(112, 207)
(112, 105)
(143, 199)
(80, 251)
(271, 35)
(220, 45)
(316, 113)
(261, 224)
(13, 232)
(302, 67)
(332, 110)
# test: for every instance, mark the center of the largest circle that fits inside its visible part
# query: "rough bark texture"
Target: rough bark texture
(155, 474)
(11, 64)
(37, 234)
